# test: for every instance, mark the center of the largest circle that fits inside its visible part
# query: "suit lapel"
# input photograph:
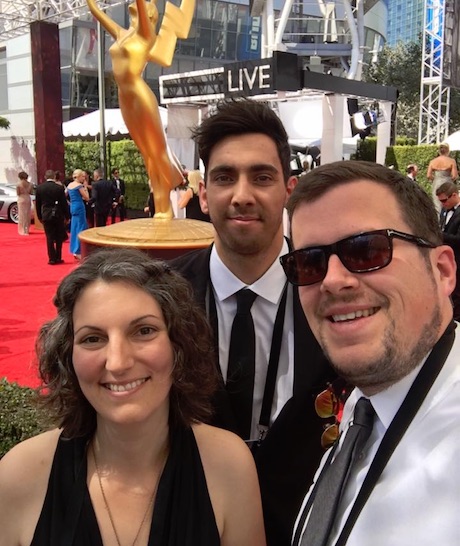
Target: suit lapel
(200, 276)
(454, 219)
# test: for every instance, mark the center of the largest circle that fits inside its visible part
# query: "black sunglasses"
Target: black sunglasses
(445, 199)
(360, 253)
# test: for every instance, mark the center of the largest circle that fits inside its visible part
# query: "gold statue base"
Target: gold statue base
(163, 239)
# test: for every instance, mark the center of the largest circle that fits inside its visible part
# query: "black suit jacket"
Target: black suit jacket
(102, 195)
(290, 454)
(119, 192)
(451, 230)
(451, 237)
(46, 195)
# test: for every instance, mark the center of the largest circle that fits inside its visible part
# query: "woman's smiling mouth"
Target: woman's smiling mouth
(116, 387)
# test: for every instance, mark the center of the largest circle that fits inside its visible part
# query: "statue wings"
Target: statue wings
(176, 24)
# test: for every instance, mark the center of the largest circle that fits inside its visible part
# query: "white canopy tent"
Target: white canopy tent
(303, 121)
(454, 141)
(89, 124)
(350, 144)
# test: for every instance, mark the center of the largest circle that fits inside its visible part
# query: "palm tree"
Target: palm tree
(4, 123)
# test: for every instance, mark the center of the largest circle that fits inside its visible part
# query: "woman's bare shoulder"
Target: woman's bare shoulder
(25, 463)
(24, 475)
(217, 442)
(233, 486)
(224, 455)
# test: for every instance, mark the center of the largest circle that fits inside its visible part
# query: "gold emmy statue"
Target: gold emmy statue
(132, 49)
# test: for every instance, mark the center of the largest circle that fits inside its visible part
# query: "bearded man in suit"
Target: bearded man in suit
(374, 281)
(245, 151)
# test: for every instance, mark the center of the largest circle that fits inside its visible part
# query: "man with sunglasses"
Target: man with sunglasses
(374, 280)
(246, 154)
(449, 221)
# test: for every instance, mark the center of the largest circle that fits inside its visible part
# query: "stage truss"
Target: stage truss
(434, 96)
(16, 15)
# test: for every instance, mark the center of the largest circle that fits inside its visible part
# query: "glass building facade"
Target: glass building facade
(222, 31)
(405, 20)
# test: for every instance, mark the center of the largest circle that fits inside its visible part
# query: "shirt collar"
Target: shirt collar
(269, 286)
(386, 403)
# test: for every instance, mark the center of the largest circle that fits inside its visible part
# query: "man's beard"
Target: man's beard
(395, 362)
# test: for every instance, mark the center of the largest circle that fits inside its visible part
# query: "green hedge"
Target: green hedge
(81, 155)
(367, 149)
(403, 154)
(19, 417)
(122, 154)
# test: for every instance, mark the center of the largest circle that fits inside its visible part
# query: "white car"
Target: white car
(9, 203)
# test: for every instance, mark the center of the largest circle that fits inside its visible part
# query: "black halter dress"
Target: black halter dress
(183, 514)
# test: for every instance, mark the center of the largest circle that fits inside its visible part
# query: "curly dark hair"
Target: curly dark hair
(194, 376)
(234, 117)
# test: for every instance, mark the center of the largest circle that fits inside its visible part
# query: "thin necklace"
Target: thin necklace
(152, 498)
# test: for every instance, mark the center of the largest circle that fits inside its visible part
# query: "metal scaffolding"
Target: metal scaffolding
(333, 36)
(16, 15)
(434, 95)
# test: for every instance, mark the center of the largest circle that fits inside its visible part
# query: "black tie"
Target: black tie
(242, 362)
(334, 478)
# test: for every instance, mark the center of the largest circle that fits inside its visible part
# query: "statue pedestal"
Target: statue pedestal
(163, 239)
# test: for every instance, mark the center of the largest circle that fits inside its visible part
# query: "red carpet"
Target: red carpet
(27, 287)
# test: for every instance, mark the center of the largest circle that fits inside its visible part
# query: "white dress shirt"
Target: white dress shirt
(416, 500)
(269, 289)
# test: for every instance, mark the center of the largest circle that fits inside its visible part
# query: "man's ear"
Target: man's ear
(203, 197)
(290, 185)
(446, 268)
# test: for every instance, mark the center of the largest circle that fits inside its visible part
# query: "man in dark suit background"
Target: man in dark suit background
(53, 211)
(412, 171)
(119, 186)
(447, 194)
(103, 197)
(247, 181)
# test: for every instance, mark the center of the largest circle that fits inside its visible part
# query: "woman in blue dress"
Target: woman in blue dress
(77, 193)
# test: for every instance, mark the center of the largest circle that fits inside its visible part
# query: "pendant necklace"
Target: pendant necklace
(152, 498)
